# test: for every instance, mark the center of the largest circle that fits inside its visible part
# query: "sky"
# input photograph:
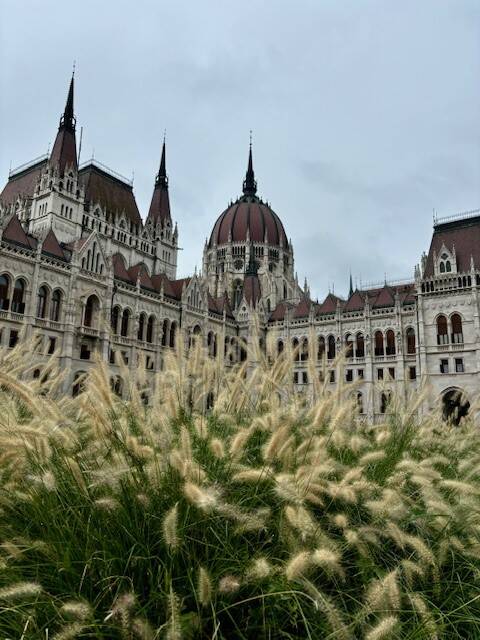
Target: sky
(365, 114)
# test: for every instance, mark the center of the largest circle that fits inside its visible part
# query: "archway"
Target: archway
(455, 406)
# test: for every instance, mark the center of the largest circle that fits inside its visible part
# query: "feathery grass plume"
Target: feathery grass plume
(324, 603)
(142, 629)
(329, 561)
(123, 610)
(274, 444)
(384, 594)
(298, 565)
(237, 445)
(20, 590)
(71, 631)
(107, 503)
(204, 499)
(229, 584)
(217, 448)
(77, 609)
(252, 475)
(384, 629)
(340, 520)
(463, 488)
(301, 520)
(410, 571)
(204, 587)
(174, 631)
(259, 569)
(371, 457)
(170, 527)
(425, 615)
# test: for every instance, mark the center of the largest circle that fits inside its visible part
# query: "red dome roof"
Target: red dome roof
(249, 213)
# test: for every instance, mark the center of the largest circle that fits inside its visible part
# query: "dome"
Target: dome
(249, 219)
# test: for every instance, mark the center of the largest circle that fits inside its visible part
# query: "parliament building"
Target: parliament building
(82, 269)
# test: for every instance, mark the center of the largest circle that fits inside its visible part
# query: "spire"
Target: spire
(64, 151)
(350, 293)
(160, 205)
(250, 184)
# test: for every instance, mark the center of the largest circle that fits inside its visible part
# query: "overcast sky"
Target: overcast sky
(365, 114)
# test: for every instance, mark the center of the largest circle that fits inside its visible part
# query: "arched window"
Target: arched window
(173, 331)
(78, 384)
(4, 290)
(115, 318)
(125, 323)
(331, 348)
(210, 343)
(360, 346)
(237, 293)
(348, 346)
(384, 401)
(141, 326)
(56, 304)
(457, 329)
(448, 266)
(42, 298)
(379, 343)
(116, 385)
(280, 347)
(165, 329)
(410, 335)
(304, 350)
(18, 297)
(295, 348)
(321, 347)
(150, 327)
(442, 330)
(390, 343)
(360, 402)
(442, 267)
(92, 307)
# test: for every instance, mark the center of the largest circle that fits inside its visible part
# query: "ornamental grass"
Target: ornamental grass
(269, 515)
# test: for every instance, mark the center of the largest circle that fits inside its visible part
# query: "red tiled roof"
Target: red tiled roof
(464, 235)
(249, 213)
(119, 268)
(177, 287)
(14, 232)
(385, 298)
(157, 281)
(22, 184)
(51, 245)
(302, 309)
(140, 270)
(64, 152)
(111, 193)
(355, 302)
(329, 305)
(160, 204)
(279, 312)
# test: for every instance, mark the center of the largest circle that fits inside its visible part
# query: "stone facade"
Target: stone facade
(80, 268)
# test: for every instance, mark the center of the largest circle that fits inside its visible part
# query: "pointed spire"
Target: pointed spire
(160, 205)
(64, 151)
(250, 184)
(350, 293)
(252, 263)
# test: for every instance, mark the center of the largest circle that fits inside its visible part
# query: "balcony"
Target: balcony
(90, 332)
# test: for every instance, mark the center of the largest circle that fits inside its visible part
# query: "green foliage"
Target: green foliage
(259, 520)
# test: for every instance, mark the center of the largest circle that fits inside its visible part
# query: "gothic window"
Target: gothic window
(410, 335)
(92, 307)
(166, 326)
(280, 347)
(141, 326)
(379, 350)
(4, 291)
(349, 346)
(360, 346)
(445, 264)
(321, 347)
(304, 350)
(238, 264)
(150, 327)
(237, 293)
(360, 402)
(125, 323)
(56, 303)
(42, 298)
(442, 330)
(115, 318)
(390, 343)
(385, 399)
(457, 329)
(331, 348)
(18, 297)
(173, 330)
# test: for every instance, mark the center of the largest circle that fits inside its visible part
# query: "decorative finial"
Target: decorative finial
(250, 138)
(73, 69)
